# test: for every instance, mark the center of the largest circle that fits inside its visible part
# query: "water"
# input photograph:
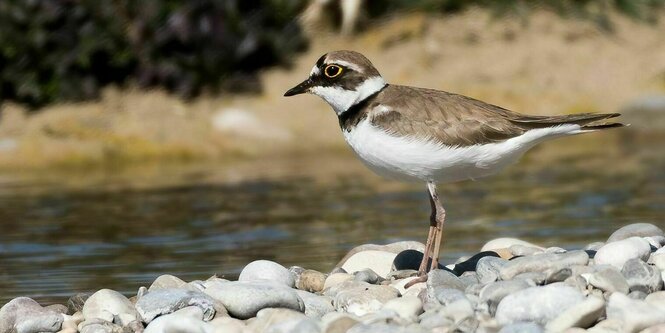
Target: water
(79, 232)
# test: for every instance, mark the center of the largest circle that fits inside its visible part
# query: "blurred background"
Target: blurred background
(140, 138)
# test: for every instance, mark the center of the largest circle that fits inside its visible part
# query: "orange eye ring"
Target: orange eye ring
(332, 71)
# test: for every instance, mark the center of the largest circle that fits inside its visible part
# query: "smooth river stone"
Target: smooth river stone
(642, 276)
(488, 269)
(316, 306)
(537, 304)
(164, 301)
(267, 270)
(24, 315)
(634, 315)
(244, 299)
(380, 262)
(543, 262)
(635, 230)
(180, 323)
(609, 278)
(445, 279)
(311, 280)
(363, 298)
(167, 281)
(583, 315)
(276, 320)
(617, 253)
(407, 307)
(493, 293)
(106, 304)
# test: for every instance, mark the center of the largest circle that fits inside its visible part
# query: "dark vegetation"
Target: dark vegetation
(64, 50)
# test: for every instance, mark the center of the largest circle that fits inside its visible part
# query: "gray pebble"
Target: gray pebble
(635, 229)
(24, 315)
(316, 306)
(642, 276)
(167, 281)
(583, 314)
(488, 269)
(364, 298)
(164, 301)
(244, 299)
(617, 253)
(444, 278)
(608, 278)
(446, 296)
(105, 304)
(493, 293)
(522, 250)
(543, 262)
(311, 280)
(267, 270)
(537, 304)
(634, 315)
(367, 275)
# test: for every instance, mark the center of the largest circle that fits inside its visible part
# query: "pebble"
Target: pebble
(543, 262)
(617, 253)
(583, 315)
(105, 304)
(444, 278)
(335, 279)
(336, 322)
(380, 262)
(609, 279)
(367, 275)
(363, 298)
(178, 323)
(493, 293)
(642, 276)
(316, 305)
(407, 307)
(634, 315)
(243, 300)
(276, 320)
(525, 327)
(656, 299)
(267, 270)
(488, 269)
(537, 304)
(23, 314)
(167, 281)
(228, 325)
(635, 230)
(658, 259)
(311, 280)
(164, 301)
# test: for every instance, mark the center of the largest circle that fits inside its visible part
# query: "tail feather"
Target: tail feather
(585, 120)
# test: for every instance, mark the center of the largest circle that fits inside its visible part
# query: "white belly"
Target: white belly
(413, 159)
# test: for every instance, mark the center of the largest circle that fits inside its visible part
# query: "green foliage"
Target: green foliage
(55, 50)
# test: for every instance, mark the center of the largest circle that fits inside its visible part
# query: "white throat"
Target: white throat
(341, 99)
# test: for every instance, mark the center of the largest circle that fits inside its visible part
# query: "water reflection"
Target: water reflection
(59, 239)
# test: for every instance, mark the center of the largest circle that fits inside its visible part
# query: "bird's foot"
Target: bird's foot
(419, 279)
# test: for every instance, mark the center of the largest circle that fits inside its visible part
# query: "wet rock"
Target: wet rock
(164, 301)
(633, 315)
(244, 299)
(617, 253)
(408, 307)
(367, 275)
(24, 315)
(105, 304)
(635, 230)
(583, 315)
(364, 298)
(267, 270)
(178, 323)
(445, 279)
(488, 269)
(379, 261)
(642, 276)
(543, 262)
(335, 279)
(609, 279)
(311, 280)
(522, 328)
(493, 293)
(504, 243)
(537, 304)
(167, 281)
(316, 306)
(75, 303)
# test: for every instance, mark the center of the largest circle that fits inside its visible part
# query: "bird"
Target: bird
(424, 135)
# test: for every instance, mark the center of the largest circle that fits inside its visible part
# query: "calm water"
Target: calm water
(68, 233)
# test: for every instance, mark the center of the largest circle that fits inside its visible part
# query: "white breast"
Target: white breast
(413, 159)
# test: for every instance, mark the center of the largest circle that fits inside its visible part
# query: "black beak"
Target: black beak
(301, 88)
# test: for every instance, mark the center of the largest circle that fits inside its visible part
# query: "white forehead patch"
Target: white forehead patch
(315, 71)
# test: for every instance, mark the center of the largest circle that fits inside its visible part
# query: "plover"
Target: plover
(425, 135)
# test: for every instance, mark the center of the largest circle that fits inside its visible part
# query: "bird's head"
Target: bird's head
(341, 78)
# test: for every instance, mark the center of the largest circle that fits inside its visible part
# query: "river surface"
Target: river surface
(69, 232)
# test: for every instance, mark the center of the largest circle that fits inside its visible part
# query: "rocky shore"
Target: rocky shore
(509, 286)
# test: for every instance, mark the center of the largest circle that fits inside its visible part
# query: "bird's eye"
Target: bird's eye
(332, 71)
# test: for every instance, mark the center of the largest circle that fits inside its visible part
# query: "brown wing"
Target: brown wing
(456, 120)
